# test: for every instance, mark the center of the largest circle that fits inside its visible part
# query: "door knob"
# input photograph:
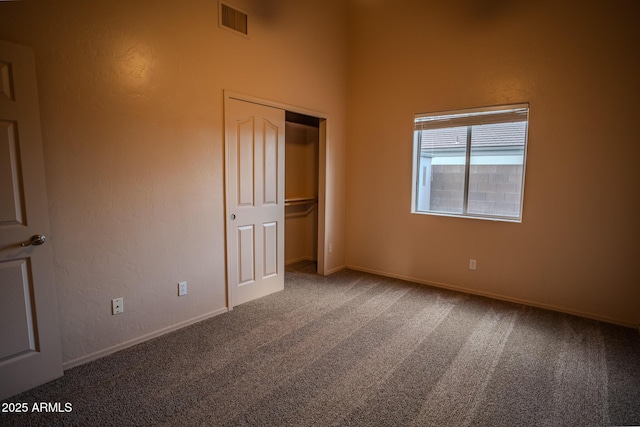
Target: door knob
(36, 240)
(233, 217)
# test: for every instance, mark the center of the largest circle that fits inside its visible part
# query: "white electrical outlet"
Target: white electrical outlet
(117, 306)
(330, 248)
(182, 288)
(472, 264)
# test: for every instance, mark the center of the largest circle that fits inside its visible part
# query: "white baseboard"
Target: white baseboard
(336, 269)
(498, 297)
(102, 353)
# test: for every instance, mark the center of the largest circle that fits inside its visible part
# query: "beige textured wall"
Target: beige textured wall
(577, 65)
(131, 97)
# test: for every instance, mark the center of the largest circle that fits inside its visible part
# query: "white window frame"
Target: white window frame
(468, 118)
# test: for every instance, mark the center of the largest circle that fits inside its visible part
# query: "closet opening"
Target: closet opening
(302, 144)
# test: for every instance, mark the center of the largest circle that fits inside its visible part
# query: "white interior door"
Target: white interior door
(255, 199)
(30, 352)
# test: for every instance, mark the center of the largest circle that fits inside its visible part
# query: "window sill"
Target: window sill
(470, 216)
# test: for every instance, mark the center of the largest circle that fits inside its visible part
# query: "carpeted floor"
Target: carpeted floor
(361, 350)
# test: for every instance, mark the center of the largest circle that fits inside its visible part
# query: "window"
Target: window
(471, 163)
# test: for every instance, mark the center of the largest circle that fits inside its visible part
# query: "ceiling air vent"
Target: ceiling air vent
(233, 19)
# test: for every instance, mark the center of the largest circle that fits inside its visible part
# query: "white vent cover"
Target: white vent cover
(233, 19)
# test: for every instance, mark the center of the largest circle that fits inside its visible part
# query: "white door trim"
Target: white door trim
(322, 164)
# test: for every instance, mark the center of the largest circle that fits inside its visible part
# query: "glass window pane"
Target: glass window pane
(441, 170)
(496, 169)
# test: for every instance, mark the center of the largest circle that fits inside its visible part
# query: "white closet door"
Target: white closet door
(255, 200)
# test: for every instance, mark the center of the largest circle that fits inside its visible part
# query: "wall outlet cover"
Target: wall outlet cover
(117, 306)
(182, 288)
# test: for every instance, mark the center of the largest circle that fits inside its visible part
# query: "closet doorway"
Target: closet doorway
(304, 199)
(302, 148)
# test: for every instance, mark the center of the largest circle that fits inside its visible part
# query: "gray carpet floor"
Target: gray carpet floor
(354, 349)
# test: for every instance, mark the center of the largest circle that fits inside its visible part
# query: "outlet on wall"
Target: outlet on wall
(117, 306)
(182, 288)
(472, 264)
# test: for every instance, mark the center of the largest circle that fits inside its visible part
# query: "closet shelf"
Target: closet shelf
(300, 201)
